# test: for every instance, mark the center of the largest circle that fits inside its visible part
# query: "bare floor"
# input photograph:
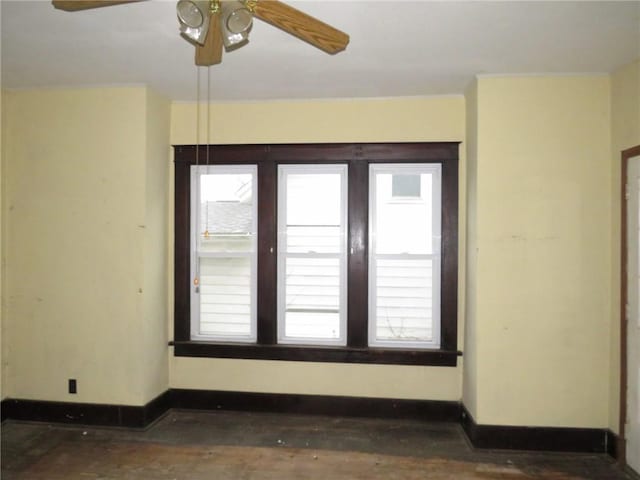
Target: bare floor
(191, 445)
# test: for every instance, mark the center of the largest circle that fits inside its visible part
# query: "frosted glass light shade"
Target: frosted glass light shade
(194, 19)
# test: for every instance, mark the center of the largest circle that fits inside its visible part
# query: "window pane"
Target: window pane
(404, 307)
(403, 227)
(225, 296)
(223, 263)
(313, 198)
(406, 185)
(313, 213)
(404, 263)
(312, 254)
(313, 325)
(312, 299)
(313, 239)
(226, 212)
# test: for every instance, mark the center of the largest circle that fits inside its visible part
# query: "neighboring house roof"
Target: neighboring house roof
(226, 217)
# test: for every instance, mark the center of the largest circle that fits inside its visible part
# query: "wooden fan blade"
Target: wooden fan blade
(301, 25)
(211, 52)
(76, 5)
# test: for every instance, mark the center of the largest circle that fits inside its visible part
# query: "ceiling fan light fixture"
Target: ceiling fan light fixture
(236, 22)
(204, 24)
(239, 19)
(192, 12)
(193, 35)
(194, 19)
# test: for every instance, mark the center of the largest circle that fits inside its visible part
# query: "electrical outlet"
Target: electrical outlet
(73, 385)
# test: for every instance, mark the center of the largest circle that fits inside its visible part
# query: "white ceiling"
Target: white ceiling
(397, 48)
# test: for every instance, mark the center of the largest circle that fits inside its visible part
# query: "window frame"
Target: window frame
(309, 169)
(393, 168)
(196, 252)
(358, 157)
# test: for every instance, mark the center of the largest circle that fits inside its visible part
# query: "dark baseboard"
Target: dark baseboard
(613, 444)
(141, 417)
(553, 439)
(3, 410)
(86, 413)
(431, 410)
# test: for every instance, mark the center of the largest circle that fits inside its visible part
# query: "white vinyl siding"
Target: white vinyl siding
(223, 259)
(404, 258)
(312, 236)
(225, 296)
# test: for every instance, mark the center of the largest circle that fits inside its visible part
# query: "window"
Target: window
(312, 240)
(404, 260)
(339, 253)
(223, 253)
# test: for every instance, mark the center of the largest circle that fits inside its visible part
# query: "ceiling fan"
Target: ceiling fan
(212, 25)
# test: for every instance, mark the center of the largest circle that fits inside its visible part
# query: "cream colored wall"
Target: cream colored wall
(75, 236)
(3, 350)
(155, 309)
(470, 362)
(376, 120)
(380, 120)
(625, 133)
(83, 177)
(543, 300)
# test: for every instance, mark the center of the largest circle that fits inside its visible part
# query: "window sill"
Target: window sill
(387, 356)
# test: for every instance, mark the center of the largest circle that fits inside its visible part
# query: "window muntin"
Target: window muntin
(312, 236)
(223, 253)
(404, 258)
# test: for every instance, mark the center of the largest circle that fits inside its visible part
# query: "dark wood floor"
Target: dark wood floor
(191, 445)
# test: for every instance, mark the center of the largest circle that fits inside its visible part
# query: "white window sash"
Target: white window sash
(283, 171)
(196, 172)
(436, 171)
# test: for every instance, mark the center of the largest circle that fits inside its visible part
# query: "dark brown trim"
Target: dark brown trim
(231, 154)
(3, 410)
(317, 354)
(553, 439)
(157, 407)
(612, 441)
(87, 413)
(63, 412)
(267, 252)
(426, 410)
(320, 152)
(449, 271)
(358, 157)
(141, 417)
(621, 444)
(182, 281)
(358, 278)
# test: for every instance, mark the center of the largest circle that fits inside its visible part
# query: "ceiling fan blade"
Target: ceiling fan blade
(76, 5)
(301, 25)
(211, 52)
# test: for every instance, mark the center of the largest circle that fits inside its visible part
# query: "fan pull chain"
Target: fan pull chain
(196, 276)
(206, 232)
(197, 114)
(208, 111)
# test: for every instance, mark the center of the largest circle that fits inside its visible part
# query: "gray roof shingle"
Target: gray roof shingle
(226, 217)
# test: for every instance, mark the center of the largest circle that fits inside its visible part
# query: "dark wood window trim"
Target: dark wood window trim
(357, 157)
(626, 155)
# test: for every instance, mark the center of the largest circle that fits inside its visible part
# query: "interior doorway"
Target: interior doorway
(630, 321)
